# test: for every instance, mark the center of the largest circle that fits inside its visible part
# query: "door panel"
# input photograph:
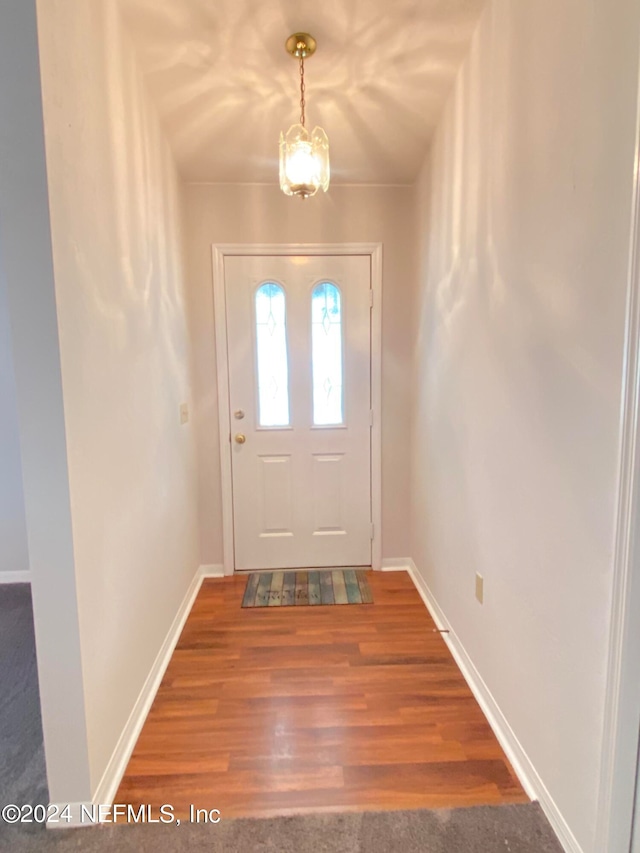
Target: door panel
(328, 484)
(299, 351)
(276, 498)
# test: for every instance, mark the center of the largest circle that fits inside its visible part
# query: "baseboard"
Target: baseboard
(212, 570)
(520, 761)
(108, 785)
(396, 564)
(15, 577)
(70, 815)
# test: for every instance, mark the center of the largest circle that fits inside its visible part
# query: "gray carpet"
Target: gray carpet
(486, 829)
(23, 777)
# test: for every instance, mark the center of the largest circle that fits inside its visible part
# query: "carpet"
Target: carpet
(484, 829)
(325, 586)
(23, 776)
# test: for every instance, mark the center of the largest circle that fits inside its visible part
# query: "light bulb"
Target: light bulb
(301, 166)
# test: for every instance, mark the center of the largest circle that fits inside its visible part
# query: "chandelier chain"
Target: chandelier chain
(302, 90)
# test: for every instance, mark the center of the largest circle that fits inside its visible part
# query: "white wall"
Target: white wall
(14, 555)
(117, 243)
(523, 227)
(262, 214)
(26, 271)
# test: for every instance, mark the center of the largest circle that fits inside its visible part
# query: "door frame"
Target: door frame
(222, 250)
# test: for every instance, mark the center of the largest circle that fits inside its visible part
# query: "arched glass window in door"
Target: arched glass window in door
(326, 334)
(273, 369)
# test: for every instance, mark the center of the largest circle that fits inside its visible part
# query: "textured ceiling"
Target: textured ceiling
(225, 86)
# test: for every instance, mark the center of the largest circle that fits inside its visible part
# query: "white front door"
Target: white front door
(299, 356)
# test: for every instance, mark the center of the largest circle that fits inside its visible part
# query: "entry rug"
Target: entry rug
(328, 586)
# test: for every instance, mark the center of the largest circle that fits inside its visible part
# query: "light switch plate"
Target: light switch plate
(480, 588)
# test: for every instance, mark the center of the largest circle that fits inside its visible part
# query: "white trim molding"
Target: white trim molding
(619, 764)
(108, 785)
(15, 577)
(374, 251)
(520, 761)
(220, 252)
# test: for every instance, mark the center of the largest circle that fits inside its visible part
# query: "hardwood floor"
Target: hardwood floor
(276, 710)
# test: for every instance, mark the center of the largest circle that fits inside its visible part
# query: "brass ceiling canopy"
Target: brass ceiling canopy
(301, 45)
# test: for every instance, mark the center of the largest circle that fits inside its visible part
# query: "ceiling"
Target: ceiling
(225, 86)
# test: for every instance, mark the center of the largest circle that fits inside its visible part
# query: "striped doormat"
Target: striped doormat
(327, 586)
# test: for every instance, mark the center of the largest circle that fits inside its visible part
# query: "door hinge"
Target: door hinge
(373, 532)
(371, 298)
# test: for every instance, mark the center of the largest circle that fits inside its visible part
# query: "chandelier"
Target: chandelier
(304, 156)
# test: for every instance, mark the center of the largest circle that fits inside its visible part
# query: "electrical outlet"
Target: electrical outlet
(480, 588)
(184, 413)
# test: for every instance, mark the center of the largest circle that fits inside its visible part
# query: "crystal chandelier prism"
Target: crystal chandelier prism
(304, 156)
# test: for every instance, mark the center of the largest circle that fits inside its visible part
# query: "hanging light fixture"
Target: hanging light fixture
(304, 156)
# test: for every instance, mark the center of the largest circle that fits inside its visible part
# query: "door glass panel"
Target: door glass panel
(326, 332)
(273, 369)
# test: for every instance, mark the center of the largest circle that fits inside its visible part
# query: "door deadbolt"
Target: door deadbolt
(238, 415)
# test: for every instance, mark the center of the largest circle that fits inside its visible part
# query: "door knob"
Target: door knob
(240, 438)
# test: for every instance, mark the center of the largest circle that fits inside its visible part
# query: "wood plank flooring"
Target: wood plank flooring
(278, 710)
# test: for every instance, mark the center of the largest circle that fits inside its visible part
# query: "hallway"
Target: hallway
(186, 391)
(337, 722)
(271, 711)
